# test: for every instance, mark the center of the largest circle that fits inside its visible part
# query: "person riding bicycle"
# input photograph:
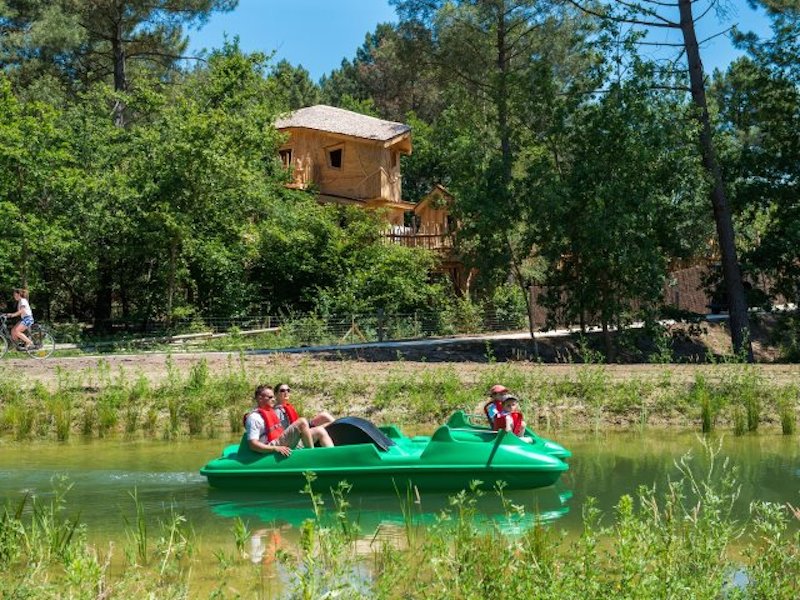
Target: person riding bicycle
(26, 317)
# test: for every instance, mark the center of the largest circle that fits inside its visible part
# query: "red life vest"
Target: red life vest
(500, 422)
(290, 412)
(498, 404)
(271, 420)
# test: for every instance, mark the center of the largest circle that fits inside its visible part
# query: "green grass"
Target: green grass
(201, 401)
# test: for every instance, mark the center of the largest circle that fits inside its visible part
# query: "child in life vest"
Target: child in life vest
(510, 418)
(497, 393)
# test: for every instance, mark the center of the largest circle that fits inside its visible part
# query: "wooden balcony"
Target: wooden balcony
(430, 240)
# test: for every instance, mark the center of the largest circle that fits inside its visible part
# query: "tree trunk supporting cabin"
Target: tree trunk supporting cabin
(739, 319)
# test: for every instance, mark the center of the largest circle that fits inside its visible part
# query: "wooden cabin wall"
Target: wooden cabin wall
(433, 219)
(366, 173)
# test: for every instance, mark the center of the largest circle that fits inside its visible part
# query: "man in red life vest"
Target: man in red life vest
(510, 418)
(266, 433)
(497, 393)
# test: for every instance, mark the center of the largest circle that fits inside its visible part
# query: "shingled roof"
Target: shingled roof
(344, 122)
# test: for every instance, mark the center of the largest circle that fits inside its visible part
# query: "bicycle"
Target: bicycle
(43, 341)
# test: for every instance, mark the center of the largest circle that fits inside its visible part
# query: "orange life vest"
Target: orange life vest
(271, 420)
(500, 422)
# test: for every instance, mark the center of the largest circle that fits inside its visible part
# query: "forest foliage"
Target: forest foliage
(138, 183)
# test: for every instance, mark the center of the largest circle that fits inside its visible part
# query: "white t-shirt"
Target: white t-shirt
(255, 427)
(24, 307)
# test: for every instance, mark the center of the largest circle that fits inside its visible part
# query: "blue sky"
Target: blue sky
(318, 34)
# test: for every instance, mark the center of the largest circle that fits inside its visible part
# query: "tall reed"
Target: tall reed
(701, 395)
(60, 408)
(739, 418)
(787, 409)
(136, 531)
(88, 419)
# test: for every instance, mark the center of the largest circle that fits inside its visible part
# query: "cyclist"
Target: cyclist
(26, 318)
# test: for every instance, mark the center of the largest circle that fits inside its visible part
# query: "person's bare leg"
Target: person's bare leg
(321, 435)
(17, 334)
(323, 419)
(305, 432)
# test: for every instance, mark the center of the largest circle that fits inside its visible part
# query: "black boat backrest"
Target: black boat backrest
(354, 430)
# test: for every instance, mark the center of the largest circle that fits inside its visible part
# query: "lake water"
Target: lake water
(104, 473)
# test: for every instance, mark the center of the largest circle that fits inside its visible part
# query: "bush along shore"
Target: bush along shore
(675, 539)
(198, 401)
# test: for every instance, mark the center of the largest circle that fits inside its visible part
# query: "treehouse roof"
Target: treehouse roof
(342, 122)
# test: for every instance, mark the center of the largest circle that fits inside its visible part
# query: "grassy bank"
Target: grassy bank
(676, 539)
(199, 399)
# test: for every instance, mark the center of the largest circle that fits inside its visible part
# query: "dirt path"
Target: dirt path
(155, 367)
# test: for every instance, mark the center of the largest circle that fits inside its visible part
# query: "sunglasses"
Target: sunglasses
(287, 390)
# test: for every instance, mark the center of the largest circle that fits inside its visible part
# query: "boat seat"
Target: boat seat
(354, 430)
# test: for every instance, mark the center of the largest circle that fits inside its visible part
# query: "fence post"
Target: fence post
(380, 324)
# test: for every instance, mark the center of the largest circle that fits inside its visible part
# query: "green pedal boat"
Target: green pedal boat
(382, 459)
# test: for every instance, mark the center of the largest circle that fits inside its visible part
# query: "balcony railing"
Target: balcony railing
(430, 240)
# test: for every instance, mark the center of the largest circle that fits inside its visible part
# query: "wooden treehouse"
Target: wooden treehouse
(350, 158)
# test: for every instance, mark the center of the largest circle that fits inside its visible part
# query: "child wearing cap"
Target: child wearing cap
(497, 394)
(510, 417)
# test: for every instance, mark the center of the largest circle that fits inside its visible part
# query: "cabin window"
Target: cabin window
(286, 157)
(395, 158)
(335, 158)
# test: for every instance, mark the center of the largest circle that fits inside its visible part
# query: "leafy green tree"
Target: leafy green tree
(89, 41)
(36, 37)
(682, 16)
(391, 70)
(759, 105)
(377, 275)
(333, 259)
(208, 171)
(504, 64)
(428, 164)
(35, 169)
(626, 204)
(294, 86)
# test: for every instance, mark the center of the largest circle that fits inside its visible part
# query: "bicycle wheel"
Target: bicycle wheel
(3, 345)
(43, 342)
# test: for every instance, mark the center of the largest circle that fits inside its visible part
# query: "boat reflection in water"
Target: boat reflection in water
(386, 518)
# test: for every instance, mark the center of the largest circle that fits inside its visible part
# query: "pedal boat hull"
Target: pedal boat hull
(449, 460)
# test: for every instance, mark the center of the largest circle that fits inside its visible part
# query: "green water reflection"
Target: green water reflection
(103, 473)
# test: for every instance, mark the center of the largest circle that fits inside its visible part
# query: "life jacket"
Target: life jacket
(500, 422)
(271, 420)
(272, 423)
(498, 404)
(290, 412)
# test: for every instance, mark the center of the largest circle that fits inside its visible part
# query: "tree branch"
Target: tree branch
(631, 21)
